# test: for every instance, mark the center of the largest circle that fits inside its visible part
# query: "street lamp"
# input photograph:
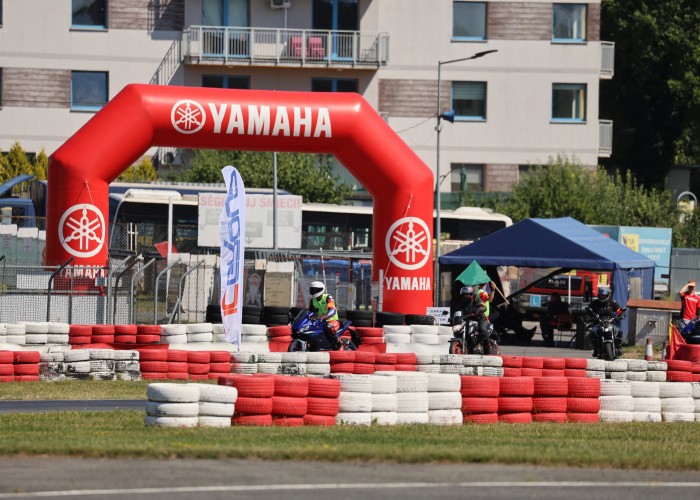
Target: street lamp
(449, 116)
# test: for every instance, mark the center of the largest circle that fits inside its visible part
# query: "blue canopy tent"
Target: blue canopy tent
(562, 243)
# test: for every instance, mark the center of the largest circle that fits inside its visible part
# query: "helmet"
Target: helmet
(603, 294)
(316, 289)
(467, 290)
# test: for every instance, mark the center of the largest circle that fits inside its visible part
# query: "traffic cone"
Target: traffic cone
(649, 352)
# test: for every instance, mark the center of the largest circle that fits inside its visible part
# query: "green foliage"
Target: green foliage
(143, 171)
(41, 166)
(16, 163)
(654, 98)
(309, 176)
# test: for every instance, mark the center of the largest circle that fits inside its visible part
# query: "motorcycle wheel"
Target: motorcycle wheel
(456, 347)
(478, 349)
(492, 348)
(295, 346)
(608, 353)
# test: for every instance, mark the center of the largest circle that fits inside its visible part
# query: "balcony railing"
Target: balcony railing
(290, 47)
(607, 59)
(605, 138)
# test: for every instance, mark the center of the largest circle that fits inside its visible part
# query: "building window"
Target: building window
(569, 22)
(89, 13)
(0, 88)
(569, 102)
(225, 13)
(469, 100)
(0, 13)
(226, 82)
(334, 85)
(89, 90)
(466, 177)
(469, 20)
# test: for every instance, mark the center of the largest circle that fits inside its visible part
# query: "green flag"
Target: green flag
(474, 274)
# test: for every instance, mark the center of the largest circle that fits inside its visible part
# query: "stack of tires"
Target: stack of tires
(322, 403)
(275, 315)
(289, 402)
(254, 403)
(444, 399)
(389, 318)
(582, 401)
(251, 315)
(355, 400)
(360, 318)
(616, 402)
(479, 399)
(549, 399)
(515, 399)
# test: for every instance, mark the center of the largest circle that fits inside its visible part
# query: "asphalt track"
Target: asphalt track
(27, 477)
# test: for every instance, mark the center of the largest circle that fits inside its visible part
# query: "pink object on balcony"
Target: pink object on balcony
(316, 48)
(295, 46)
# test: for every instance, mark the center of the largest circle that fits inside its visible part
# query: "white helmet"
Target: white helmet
(316, 289)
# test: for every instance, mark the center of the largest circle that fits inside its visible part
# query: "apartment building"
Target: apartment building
(533, 98)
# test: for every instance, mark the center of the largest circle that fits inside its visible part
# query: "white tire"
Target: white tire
(644, 389)
(636, 365)
(677, 405)
(650, 404)
(105, 376)
(384, 417)
(318, 357)
(244, 357)
(473, 360)
(200, 337)
(318, 369)
(678, 417)
(174, 339)
(210, 421)
(616, 375)
(294, 357)
(656, 376)
(3, 329)
(247, 339)
(174, 329)
(636, 376)
(397, 330)
(199, 328)
(173, 393)
(450, 359)
(101, 365)
(454, 369)
(346, 418)
(244, 368)
(695, 389)
(270, 368)
(52, 357)
(444, 401)
(433, 359)
(657, 366)
(252, 330)
(492, 371)
(15, 329)
(595, 365)
(445, 417)
(615, 388)
(474, 370)
(413, 402)
(383, 385)
(127, 355)
(643, 416)
(127, 366)
(76, 355)
(391, 338)
(171, 421)
(33, 327)
(619, 365)
(353, 383)
(58, 328)
(617, 403)
(445, 339)
(444, 382)
(156, 409)
(78, 367)
(57, 338)
(424, 329)
(615, 416)
(36, 338)
(354, 402)
(212, 393)
(220, 338)
(675, 390)
(294, 368)
(385, 402)
(15, 339)
(269, 357)
(410, 381)
(218, 329)
(130, 376)
(210, 409)
(430, 368)
(101, 354)
(412, 418)
(697, 405)
(494, 361)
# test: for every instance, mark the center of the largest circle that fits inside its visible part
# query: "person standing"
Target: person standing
(689, 303)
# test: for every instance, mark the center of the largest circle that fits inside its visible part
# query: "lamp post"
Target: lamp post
(449, 116)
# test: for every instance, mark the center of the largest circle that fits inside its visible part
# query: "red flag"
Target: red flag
(675, 341)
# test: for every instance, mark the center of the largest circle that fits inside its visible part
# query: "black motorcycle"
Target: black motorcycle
(607, 334)
(468, 339)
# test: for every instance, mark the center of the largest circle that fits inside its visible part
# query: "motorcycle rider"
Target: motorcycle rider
(475, 309)
(605, 308)
(322, 306)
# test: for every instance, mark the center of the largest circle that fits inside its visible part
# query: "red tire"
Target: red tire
(178, 375)
(102, 339)
(80, 330)
(477, 406)
(147, 339)
(103, 330)
(679, 365)
(154, 366)
(405, 368)
(531, 372)
(483, 418)
(343, 368)
(27, 356)
(125, 339)
(125, 330)
(253, 406)
(27, 378)
(479, 387)
(516, 418)
(322, 406)
(373, 341)
(219, 357)
(512, 372)
(7, 369)
(553, 363)
(177, 366)
(532, 362)
(559, 418)
(575, 363)
(145, 375)
(679, 376)
(582, 405)
(574, 373)
(405, 358)
(153, 355)
(292, 387)
(366, 332)
(385, 368)
(551, 386)
(388, 358)
(198, 357)
(177, 355)
(584, 388)
(199, 377)
(220, 367)
(548, 405)
(514, 404)
(365, 357)
(363, 368)
(342, 357)
(319, 420)
(7, 378)
(257, 420)
(583, 418)
(148, 330)
(250, 386)
(198, 368)
(324, 388)
(7, 357)
(279, 331)
(512, 361)
(288, 407)
(75, 340)
(288, 421)
(517, 386)
(26, 369)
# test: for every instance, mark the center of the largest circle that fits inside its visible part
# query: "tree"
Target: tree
(144, 171)
(41, 166)
(309, 176)
(16, 163)
(654, 98)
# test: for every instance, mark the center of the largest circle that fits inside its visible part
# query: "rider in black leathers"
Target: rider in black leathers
(474, 309)
(604, 307)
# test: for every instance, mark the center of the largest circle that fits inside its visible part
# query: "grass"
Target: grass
(73, 390)
(123, 434)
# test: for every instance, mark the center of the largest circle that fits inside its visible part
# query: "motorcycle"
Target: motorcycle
(691, 332)
(468, 339)
(608, 334)
(309, 334)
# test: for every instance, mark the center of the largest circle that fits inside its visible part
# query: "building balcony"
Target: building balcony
(223, 45)
(605, 138)
(607, 59)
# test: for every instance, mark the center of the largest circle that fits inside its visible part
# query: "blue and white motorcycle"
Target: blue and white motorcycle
(309, 334)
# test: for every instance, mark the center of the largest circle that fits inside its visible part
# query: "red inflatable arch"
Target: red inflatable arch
(142, 116)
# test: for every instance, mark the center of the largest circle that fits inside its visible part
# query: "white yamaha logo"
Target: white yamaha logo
(188, 116)
(408, 243)
(82, 230)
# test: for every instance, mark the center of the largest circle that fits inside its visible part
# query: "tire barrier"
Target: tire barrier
(190, 405)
